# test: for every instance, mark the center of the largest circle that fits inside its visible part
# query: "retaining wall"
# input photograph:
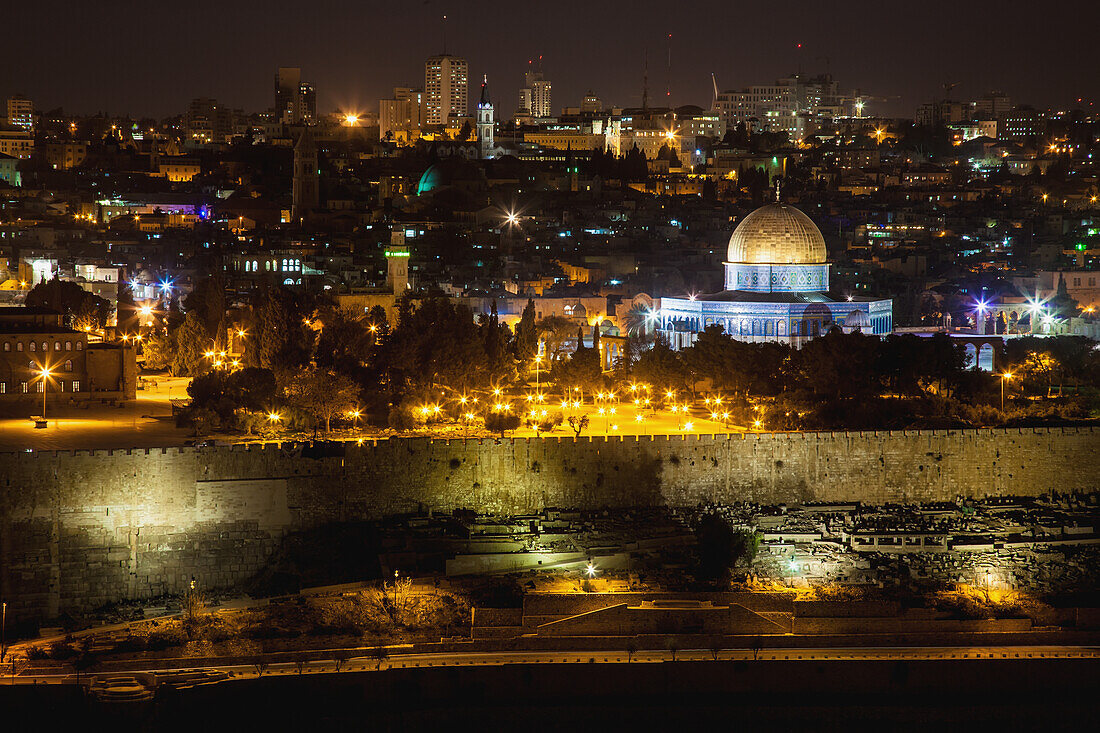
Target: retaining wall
(83, 528)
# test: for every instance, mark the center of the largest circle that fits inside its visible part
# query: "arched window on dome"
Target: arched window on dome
(782, 328)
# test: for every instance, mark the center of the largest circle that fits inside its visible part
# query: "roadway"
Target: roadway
(369, 661)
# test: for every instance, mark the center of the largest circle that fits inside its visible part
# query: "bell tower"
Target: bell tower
(485, 120)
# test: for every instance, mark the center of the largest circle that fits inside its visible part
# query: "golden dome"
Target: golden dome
(777, 234)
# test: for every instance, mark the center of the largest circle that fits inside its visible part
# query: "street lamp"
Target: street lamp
(1004, 378)
(44, 374)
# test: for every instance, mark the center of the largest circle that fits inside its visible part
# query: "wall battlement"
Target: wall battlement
(82, 528)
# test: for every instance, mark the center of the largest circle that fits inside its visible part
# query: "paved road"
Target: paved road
(398, 660)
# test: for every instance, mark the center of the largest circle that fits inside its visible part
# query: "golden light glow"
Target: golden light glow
(274, 416)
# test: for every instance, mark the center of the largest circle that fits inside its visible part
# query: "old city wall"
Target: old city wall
(83, 528)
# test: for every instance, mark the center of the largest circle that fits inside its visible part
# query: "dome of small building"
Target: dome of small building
(857, 319)
(777, 234)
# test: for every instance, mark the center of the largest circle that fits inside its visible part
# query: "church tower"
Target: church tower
(485, 120)
(305, 193)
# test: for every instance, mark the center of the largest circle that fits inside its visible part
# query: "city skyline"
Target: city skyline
(901, 54)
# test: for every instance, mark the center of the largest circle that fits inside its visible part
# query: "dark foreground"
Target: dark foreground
(1001, 695)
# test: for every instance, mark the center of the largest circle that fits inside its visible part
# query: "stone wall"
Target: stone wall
(83, 528)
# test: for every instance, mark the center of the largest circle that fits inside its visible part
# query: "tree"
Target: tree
(323, 394)
(578, 424)
(207, 302)
(495, 342)
(580, 370)
(159, 349)
(660, 366)
(631, 648)
(126, 312)
(280, 341)
(556, 332)
(69, 299)
(500, 421)
(435, 342)
(191, 343)
(526, 335)
(636, 321)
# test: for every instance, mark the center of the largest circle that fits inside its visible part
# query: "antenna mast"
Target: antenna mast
(645, 80)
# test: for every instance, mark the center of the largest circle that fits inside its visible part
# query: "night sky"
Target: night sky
(151, 57)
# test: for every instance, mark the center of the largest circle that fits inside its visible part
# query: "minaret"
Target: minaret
(305, 196)
(485, 120)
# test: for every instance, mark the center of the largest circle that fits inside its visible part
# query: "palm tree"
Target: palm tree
(636, 321)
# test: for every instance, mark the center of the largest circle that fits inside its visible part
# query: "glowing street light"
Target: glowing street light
(1004, 378)
(590, 570)
(44, 375)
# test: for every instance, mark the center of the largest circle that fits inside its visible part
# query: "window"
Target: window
(38, 386)
(33, 346)
(23, 385)
(3, 387)
(76, 385)
(68, 346)
(69, 365)
(79, 345)
(7, 346)
(57, 346)
(19, 346)
(45, 346)
(61, 385)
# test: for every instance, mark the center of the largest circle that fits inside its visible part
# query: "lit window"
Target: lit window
(76, 385)
(57, 346)
(68, 346)
(7, 346)
(23, 385)
(34, 346)
(19, 346)
(79, 345)
(69, 365)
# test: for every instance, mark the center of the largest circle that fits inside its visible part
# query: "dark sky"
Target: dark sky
(152, 57)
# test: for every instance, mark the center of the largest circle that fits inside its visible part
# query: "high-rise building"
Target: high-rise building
(305, 192)
(208, 122)
(307, 102)
(401, 116)
(591, 103)
(535, 95)
(445, 93)
(485, 120)
(295, 100)
(21, 112)
(992, 105)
